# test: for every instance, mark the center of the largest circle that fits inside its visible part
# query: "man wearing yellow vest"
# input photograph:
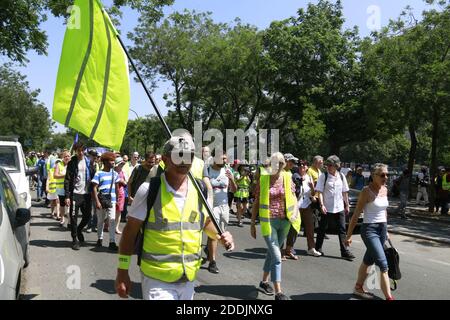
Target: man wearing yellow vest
(277, 205)
(173, 229)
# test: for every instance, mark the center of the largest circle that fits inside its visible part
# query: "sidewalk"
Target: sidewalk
(415, 211)
(421, 223)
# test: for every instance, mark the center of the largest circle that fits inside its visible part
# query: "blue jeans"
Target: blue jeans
(374, 236)
(280, 229)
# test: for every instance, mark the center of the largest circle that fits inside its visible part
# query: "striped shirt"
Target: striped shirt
(103, 180)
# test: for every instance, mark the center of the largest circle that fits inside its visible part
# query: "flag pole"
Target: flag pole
(169, 133)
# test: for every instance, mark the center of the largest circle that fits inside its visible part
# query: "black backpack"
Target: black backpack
(393, 260)
(153, 190)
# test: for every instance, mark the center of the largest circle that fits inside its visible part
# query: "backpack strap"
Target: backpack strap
(153, 189)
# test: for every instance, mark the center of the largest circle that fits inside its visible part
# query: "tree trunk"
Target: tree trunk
(412, 152)
(434, 144)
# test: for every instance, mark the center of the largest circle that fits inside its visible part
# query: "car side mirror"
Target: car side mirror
(22, 217)
(31, 170)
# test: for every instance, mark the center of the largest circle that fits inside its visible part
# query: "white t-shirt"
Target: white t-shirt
(80, 181)
(332, 195)
(138, 209)
(305, 194)
(219, 182)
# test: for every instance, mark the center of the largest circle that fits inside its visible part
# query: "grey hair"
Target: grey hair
(377, 167)
(317, 158)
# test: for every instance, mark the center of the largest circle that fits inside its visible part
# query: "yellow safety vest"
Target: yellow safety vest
(445, 183)
(51, 181)
(264, 201)
(242, 188)
(172, 240)
(59, 181)
(197, 168)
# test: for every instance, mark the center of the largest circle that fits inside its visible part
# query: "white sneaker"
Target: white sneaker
(314, 252)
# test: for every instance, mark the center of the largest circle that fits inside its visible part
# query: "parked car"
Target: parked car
(14, 219)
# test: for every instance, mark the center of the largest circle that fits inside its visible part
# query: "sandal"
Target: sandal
(291, 256)
(361, 293)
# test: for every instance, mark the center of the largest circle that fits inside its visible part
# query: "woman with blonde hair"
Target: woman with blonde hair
(276, 203)
(373, 201)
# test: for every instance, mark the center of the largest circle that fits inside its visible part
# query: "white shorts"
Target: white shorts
(153, 289)
(222, 215)
(52, 196)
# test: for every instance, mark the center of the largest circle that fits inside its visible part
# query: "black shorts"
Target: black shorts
(62, 201)
(240, 200)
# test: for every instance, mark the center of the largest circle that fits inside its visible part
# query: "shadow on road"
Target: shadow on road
(323, 296)
(30, 296)
(241, 292)
(427, 243)
(108, 286)
(51, 244)
(44, 224)
(255, 253)
(257, 250)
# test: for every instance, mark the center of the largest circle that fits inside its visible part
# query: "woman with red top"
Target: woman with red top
(279, 225)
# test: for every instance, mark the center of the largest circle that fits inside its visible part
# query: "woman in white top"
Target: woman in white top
(304, 203)
(373, 201)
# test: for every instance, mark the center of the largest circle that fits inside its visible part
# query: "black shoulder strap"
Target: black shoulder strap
(153, 189)
(325, 180)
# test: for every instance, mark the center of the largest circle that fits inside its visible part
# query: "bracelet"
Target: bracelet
(124, 262)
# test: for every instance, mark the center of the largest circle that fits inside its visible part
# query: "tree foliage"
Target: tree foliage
(21, 113)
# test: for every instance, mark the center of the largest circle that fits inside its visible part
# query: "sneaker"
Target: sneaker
(320, 251)
(348, 256)
(99, 243)
(240, 224)
(363, 294)
(75, 245)
(113, 247)
(281, 296)
(213, 267)
(266, 288)
(88, 230)
(314, 252)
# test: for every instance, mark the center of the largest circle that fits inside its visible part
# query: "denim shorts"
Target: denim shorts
(374, 236)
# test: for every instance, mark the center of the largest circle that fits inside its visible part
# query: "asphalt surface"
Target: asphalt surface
(57, 272)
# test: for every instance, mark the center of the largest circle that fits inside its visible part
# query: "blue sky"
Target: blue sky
(41, 71)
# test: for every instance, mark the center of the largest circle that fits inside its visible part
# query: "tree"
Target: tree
(216, 70)
(20, 112)
(20, 22)
(409, 64)
(313, 64)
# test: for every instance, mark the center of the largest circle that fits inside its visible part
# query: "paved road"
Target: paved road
(53, 271)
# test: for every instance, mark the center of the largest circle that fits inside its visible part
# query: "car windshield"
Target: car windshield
(9, 159)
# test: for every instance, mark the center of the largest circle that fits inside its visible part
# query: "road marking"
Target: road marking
(440, 262)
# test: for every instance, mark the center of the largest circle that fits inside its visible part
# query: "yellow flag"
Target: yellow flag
(92, 92)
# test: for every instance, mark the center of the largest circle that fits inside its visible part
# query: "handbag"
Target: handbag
(393, 260)
(105, 198)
